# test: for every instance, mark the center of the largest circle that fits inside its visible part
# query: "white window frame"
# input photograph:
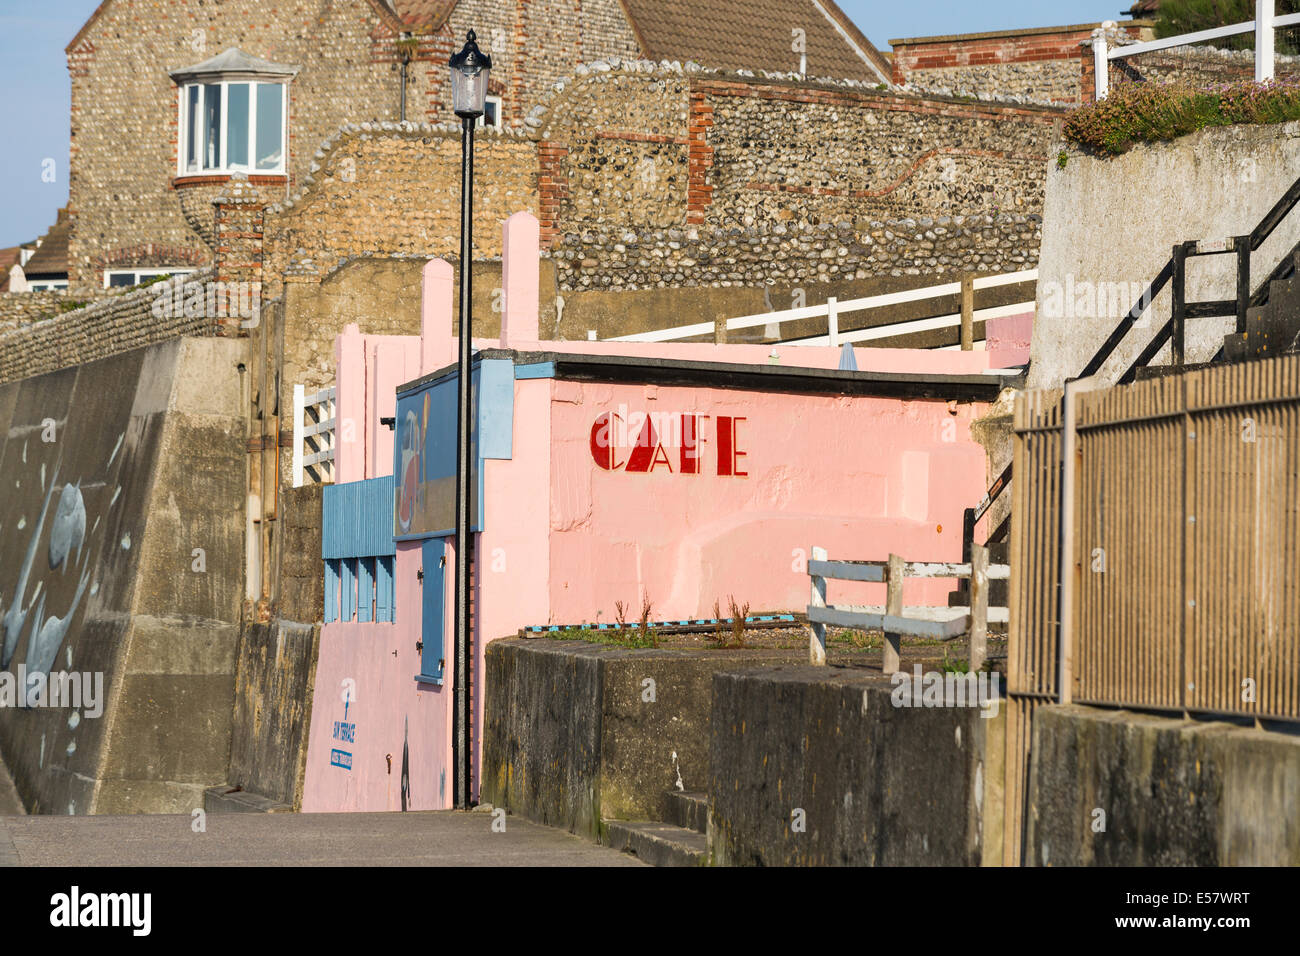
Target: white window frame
(224, 168)
(46, 285)
(141, 275)
(482, 120)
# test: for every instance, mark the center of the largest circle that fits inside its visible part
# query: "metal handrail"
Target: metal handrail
(1175, 271)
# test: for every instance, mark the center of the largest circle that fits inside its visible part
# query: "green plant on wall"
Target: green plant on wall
(1155, 112)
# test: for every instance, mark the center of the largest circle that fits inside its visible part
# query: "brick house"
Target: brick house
(172, 97)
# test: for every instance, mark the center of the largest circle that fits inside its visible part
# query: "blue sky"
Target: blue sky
(34, 92)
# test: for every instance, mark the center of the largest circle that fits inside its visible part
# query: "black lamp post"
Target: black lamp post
(469, 83)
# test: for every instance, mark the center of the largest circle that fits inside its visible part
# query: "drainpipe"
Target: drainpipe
(405, 45)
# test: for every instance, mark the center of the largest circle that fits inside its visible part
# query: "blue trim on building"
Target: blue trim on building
(539, 370)
(357, 519)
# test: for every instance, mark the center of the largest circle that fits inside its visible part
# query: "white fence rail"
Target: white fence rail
(943, 623)
(1264, 26)
(834, 310)
(313, 440)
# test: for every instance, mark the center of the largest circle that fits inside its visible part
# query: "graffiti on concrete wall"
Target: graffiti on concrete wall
(30, 620)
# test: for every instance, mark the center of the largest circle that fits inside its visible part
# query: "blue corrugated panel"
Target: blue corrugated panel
(348, 587)
(357, 519)
(331, 591)
(384, 597)
(365, 589)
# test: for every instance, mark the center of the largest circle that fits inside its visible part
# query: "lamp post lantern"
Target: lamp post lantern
(469, 83)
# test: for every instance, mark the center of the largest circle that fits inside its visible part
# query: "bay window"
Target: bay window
(233, 116)
(233, 125)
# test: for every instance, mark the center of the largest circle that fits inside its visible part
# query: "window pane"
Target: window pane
(270, 126)
(121, 280)
(212, 126)
(237, 125)
(192, 136)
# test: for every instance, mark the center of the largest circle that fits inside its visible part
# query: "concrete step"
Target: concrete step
(225, 799)
(659, 844)
(689, 810)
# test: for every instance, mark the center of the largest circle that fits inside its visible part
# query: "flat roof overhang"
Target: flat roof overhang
(787, 379)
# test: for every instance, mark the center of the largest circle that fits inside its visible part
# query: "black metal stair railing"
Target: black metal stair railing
(1173, 331)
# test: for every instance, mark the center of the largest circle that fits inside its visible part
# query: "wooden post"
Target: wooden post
(979, 606)
(817, 640)
(720, 330)
(833, 321)
(967, 313)
(1071, 569)
(893, 608)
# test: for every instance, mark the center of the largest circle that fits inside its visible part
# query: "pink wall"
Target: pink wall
(861, 477)
(1007, 340)
(381, 661)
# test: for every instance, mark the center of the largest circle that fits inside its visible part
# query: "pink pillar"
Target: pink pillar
(388, 370)
(350, 405)
(520, 271)
(437, 344)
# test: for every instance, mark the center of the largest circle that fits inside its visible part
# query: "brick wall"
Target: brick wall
(393, 189)
(756, 181)
(1197, 66)
(1033, 66)
(649, 177)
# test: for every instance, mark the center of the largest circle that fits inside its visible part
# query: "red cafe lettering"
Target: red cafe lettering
(642, 442)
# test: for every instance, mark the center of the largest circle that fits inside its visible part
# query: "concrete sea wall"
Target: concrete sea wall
(818, 767)
(120, 556)
(1164, 792)
(574, 734)
(1110, 224)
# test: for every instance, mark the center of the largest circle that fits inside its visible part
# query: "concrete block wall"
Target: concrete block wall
(1116, 788)
(148, 442)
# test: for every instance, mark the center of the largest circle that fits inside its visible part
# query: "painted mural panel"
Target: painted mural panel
(424, 454)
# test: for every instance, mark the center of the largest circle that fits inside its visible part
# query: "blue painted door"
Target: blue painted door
(433, 592)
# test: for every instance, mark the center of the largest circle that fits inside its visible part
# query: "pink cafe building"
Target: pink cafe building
(605, 472)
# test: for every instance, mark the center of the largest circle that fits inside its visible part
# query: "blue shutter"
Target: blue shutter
(365, 589)
(331, 591)
(349, 588)
(432, 663)
(384, 597)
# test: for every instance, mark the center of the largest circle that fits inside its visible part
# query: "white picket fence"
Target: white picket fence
(834, 310)
(313, 441)
(1264, 26)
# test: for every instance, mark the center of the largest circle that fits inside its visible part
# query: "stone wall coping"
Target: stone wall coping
(109, 304)
(1027, 32)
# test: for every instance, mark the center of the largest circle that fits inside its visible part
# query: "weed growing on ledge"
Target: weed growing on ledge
(1154, 112)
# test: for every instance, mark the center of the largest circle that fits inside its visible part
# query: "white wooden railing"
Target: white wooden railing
(834, 310)
(1263, 26)
(895, 620)
(313, 441)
